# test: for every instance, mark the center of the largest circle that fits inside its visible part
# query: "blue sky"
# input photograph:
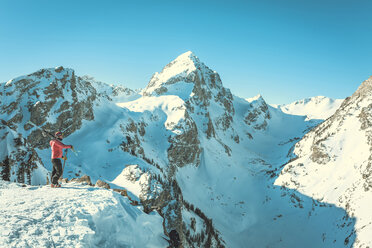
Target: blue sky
(285, 50)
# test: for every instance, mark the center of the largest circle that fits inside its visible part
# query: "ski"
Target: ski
(44, 132)
(50, 135)
(64, 163)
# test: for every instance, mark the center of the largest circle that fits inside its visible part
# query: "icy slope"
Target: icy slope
(333, 162)
(318, 107)
(73, 216)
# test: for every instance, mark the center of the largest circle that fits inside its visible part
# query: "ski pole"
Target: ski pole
(41, 129)
(64, 163)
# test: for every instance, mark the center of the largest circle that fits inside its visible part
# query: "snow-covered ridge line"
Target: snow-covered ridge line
(318, 107)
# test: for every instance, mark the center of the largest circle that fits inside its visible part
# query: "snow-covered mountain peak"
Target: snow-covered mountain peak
(181, 66)
(180, 76)
(258, 112)
(57, 72)
(255, 98)
(188, 56)
(49, 74)
(184, 63)
(257, 102)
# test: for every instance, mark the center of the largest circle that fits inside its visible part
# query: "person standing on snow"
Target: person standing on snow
(57, 146)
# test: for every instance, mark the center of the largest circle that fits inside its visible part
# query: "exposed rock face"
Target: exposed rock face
(85, 179)
(334, 161)
(258, 114)
(133, 132)
(122, 192)
(185, 148)
(102, 184)
(171, 205)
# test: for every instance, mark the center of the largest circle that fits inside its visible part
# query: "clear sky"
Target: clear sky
(285, 50)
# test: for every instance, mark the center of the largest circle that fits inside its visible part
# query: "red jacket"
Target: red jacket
(57, 147)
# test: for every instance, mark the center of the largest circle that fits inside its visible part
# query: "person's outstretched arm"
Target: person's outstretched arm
(63, 146)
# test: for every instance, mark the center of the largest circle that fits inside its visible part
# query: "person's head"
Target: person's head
(58, 135)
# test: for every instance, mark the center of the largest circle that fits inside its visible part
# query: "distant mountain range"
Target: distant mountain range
(318, 107)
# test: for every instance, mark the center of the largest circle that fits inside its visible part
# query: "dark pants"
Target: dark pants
(57, 170)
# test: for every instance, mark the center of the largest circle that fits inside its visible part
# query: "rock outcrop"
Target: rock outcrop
(102, 184)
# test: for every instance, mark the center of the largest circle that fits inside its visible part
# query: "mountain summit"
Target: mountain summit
(180, 76)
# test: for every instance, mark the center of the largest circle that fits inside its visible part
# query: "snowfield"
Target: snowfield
(75, 215)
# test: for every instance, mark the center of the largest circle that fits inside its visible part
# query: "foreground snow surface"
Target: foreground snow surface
(73, 216)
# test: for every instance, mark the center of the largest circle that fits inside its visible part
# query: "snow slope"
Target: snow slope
(318, 107)
(73, 216)
(237, 191)
(333, 162)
